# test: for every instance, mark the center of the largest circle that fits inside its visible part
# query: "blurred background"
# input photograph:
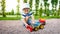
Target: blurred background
(12, 9)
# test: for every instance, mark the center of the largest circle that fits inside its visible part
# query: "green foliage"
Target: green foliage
(12, 12)
(58, 12)
(45, 2)
(18, 1)
(37, 4)
(0, 13)
(18, 6)
(4, 14)
(46, 7)
(25, 1)
(54, 2)
(10, 18)
(30, 2)
(47, 12)
(40, 12)
(3, 8)
(17, 13)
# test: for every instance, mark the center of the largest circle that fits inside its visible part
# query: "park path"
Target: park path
(15, 27)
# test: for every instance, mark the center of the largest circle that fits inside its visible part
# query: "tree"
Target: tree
(58, 11)
(25, 1)
(37, 3)
(18, 7)
(3, 8)
(54, 4)
(47, 10)
(46, 5)
(12, 12)
(40, 11)
(30, 2)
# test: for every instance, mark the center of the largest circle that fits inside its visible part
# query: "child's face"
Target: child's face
(26, 10)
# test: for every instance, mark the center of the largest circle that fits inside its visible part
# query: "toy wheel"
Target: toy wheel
(35, 29)
(41, 26)
(38, 27)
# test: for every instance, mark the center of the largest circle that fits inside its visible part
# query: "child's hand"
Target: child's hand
(33, 22)
(27, 25)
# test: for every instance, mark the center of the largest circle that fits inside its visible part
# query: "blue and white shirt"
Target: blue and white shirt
(29, 14)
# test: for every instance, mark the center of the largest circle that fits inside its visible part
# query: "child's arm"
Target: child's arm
(25, 20)
(33, 20)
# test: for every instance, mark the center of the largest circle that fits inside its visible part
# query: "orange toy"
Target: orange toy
(42, 21)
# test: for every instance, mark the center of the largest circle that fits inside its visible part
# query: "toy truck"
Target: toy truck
(35, 26)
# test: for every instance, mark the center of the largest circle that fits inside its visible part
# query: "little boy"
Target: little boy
(27, 16)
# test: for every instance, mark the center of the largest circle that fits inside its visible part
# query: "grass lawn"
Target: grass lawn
(47, 17)
(10, 18)
(14, 17)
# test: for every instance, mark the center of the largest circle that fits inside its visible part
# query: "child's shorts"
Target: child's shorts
(29, 22)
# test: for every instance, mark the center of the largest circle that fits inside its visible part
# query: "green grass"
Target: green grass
(47, 17)
(10, 18)
(14, 17)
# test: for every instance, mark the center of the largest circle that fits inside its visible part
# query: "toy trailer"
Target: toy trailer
(37, 26)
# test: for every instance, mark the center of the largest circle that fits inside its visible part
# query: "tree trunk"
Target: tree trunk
(3, 8)
(18, 6)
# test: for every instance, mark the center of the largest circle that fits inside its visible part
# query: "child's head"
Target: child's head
(26, 8)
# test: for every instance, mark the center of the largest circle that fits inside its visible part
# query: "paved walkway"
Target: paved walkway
(15, 27)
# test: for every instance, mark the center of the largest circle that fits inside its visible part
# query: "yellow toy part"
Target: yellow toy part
(41, 26)
(36, 29)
